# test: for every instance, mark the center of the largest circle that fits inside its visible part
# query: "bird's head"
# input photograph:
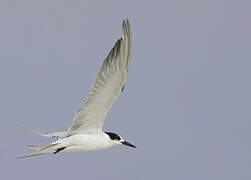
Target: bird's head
(117, 139)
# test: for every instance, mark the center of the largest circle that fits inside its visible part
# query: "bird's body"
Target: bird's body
(86, 133)
(85, 142)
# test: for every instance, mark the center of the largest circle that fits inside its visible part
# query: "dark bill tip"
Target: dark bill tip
(128, 144)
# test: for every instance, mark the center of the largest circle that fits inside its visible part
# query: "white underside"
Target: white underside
(85, 142)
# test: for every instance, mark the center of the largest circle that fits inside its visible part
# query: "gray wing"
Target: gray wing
(107, 87)
(53, 135)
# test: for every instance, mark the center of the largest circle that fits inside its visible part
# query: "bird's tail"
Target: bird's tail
(52, 148)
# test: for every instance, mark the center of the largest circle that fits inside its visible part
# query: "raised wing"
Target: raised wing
(107, 87)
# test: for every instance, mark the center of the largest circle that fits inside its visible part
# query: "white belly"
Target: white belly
(79, 142)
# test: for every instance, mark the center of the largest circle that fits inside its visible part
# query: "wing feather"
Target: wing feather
(107, 87)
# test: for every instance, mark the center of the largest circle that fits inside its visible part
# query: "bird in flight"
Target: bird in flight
(86, 132)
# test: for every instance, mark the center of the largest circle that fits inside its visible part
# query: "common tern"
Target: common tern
(86, 132)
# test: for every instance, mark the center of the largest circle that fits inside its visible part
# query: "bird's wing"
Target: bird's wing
(107, 87)
(53, 135)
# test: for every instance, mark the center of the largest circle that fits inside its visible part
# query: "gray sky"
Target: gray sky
(186, 103)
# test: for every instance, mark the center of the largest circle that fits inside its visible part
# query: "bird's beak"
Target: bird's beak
(128, 144)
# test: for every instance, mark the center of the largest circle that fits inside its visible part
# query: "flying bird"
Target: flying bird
(86, 132)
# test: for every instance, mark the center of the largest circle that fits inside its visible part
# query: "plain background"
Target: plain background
(186, 104)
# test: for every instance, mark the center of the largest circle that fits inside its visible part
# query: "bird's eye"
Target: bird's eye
(113, 136)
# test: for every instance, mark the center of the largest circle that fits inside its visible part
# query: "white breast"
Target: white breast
(86, 142)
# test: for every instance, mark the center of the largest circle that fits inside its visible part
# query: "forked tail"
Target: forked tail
(52, 148)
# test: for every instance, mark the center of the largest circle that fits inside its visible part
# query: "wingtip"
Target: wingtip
(126, 21)
(126, 28)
